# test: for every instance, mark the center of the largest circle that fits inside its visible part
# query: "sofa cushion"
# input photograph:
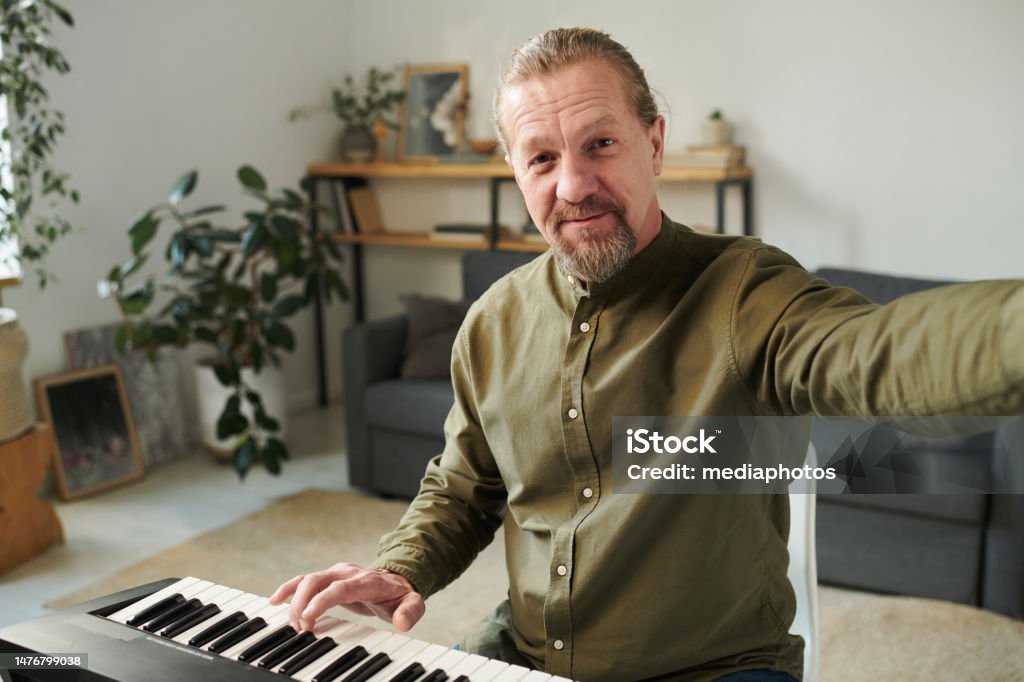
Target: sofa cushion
(433, 325)
(876, 287)
(481, 269)
(417, 407)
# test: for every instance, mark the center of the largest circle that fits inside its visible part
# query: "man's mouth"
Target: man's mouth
(584, 222)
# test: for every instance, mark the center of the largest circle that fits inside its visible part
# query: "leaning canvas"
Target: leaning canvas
(155, 391)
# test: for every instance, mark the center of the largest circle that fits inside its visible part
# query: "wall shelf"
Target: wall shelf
(348, 176)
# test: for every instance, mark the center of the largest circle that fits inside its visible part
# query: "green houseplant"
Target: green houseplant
(31, 186)
(366, 108)
(231, 289)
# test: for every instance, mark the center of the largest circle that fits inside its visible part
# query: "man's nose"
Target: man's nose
(576, 180)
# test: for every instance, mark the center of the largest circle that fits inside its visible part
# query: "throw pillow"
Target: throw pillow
(433, 325)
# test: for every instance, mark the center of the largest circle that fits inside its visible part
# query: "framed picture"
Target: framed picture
(433, 116)
(95, 440)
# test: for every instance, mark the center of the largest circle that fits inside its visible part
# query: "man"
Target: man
(632, 314)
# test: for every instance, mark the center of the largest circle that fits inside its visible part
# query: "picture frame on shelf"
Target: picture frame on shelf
(95, 443)
(432, 119)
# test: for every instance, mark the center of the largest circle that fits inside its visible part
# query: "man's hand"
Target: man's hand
(375, 592)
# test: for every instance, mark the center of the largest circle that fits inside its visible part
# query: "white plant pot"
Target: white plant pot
(716, 131)
(211, 396)
(15, 411)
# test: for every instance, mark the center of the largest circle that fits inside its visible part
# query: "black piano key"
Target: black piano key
(178, 612)
(436, 676)
(267, 644)
(409, 673)
(243, 631)
(287, 650)
(461, 678)
(190, 621)
(222, 626)
(304, 658)
(374, 665)
(342, 665)
(155, 610)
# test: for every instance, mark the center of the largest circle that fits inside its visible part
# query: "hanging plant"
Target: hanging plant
(31, 188)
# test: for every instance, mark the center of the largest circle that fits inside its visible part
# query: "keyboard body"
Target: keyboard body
(125, 653)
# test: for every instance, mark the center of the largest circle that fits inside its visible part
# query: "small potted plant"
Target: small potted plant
(715, 129)
(231, 290)
(366, 108)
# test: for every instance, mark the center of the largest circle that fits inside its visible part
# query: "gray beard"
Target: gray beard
(595, 259)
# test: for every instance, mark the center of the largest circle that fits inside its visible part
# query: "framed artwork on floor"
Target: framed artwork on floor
(96, 446)
(433, 115)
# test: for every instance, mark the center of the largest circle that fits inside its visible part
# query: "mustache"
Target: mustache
(590, 206)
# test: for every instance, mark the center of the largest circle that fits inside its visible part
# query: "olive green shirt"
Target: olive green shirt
(607, 586)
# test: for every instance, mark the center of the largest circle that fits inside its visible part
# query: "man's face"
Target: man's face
(586, 166)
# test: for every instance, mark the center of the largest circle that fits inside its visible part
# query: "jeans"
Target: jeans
(757, 676)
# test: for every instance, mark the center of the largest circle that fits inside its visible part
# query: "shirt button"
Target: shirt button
(585, 327)
(588, 493)
(569, 279)
(558, 644)
(562, 570)
(573, 413)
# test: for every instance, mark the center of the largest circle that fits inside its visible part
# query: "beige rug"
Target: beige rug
(863, 637)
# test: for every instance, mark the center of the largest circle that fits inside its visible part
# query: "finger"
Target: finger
(365, 587)
(286, 590)
(308, 588)
(410, 609)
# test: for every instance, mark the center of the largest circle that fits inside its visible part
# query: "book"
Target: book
(472, 232)
(366, 210)
(709, 156)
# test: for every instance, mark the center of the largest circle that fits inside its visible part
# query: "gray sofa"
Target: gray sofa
(394, 427)
(961, 548)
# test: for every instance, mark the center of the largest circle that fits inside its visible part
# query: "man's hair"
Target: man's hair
(562, 47)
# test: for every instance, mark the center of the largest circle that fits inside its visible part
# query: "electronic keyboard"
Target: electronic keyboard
(193, 629)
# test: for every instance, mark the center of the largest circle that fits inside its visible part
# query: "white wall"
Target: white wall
(884, 135)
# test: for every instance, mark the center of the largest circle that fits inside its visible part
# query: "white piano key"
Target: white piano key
(555, 678)
(490, 671)
(325, 626)
(344, 631)
(401, 657)
(468, 666)
(429, 657)
(186, 592)
(346, 641)
(276, 616)
(231, 604)
(513, 673)
(378, 642)
(144, 603)
(210, 594)
(538, 676)
(448, 661)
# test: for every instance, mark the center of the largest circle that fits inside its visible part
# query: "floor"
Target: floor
(171, 504)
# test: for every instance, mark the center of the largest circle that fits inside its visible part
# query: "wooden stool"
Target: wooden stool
(27, 525)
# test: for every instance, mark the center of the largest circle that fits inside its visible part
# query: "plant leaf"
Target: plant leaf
(288, 305)
(244, 456)
(251, 178)
(183, 187)
(142, 231)
(268, 287)
(255, 237)
(276, 446)
(280, 335)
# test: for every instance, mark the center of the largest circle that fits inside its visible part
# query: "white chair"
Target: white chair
(803, 572)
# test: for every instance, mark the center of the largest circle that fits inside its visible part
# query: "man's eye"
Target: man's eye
(604, 142)
(540, 159)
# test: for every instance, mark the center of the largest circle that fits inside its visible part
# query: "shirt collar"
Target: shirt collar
(640, 265)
